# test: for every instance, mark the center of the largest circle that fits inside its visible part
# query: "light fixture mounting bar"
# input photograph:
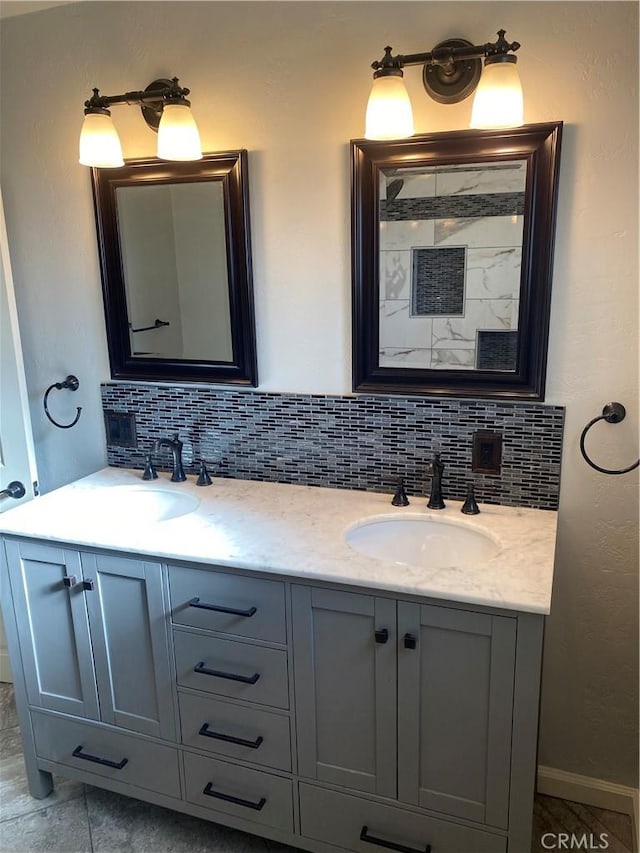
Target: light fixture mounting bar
(150, 100)
(447, 52)
(452, 69)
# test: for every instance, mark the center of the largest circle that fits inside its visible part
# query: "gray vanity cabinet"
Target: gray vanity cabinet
(130, 644)
(420, 691)
(325, 718)
(345, 688)
(53, 625)
(455, 692)
(93, 636)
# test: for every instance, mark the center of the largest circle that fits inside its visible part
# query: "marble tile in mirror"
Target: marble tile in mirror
(450, 261)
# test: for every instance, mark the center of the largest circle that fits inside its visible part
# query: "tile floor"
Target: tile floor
(78, 818)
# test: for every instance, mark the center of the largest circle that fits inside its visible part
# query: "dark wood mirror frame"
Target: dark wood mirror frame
(229, 168)
(539, 146)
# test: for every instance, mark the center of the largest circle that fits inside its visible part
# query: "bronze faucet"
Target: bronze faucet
(434, 470)
(175, 446)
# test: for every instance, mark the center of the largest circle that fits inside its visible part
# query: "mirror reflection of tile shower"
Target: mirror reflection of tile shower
(450, 265)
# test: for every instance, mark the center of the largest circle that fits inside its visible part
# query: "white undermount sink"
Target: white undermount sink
(143, 504)
(415, 540)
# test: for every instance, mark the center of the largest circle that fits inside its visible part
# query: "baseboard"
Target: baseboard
(5, 668)
(591, 792)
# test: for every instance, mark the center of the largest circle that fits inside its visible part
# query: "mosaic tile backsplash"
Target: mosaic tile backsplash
(355, 442)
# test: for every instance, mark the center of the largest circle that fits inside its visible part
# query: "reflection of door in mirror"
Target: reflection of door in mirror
(174, 260)
(450, 239)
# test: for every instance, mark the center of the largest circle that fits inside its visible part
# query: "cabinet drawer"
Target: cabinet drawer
(239, 670)
(259, 604)
(238, 791)
(148, 765)
(342, 820)
(218, 726)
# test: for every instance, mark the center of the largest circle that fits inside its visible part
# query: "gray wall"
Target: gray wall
(146, 225)
(203, 282)
(289, 82)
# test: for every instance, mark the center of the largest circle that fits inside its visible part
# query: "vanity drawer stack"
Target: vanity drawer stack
(230, 643)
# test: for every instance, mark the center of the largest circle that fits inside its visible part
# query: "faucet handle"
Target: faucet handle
(203, 475)
(149, 472)
(400, 497)
(470, 506)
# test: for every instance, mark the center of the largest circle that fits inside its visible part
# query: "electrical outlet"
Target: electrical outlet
(121, 429)
(487, 452)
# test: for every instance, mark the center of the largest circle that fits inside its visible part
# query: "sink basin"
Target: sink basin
(141, 504)
(414, 540)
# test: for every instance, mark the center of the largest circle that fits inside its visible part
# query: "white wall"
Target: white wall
(289, 82)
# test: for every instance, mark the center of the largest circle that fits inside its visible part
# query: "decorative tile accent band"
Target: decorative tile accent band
(356, 442)
(447, 207)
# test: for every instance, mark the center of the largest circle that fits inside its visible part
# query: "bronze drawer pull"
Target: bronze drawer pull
(118, 765)
(201, 669)
(208, 790)
(390, 845)
(252, 744)
(195, 602)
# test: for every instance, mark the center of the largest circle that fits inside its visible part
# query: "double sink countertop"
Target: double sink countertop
(297, 531)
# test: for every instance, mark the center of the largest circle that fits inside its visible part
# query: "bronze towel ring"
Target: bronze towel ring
(612, 413)
(72, 384)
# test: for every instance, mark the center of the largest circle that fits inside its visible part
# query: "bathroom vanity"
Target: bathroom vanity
(224, 652)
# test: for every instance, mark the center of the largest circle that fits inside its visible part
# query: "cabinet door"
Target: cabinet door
(455, 696)
(52, 623)
(345, 689)
(129, 634)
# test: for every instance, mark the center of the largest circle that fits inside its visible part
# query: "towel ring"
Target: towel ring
(72, 384)
(612, 413)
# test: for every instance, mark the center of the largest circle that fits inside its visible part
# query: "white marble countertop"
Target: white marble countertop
(296, 531)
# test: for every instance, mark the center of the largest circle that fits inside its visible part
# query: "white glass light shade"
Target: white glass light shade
(99, 142)
(178, 137)
(389, 113)
(498, 101)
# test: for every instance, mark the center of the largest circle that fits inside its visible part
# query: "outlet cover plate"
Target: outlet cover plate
(121, 429)
(487, 452)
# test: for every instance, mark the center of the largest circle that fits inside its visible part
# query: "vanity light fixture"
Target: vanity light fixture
(165, 109)
(450, 73)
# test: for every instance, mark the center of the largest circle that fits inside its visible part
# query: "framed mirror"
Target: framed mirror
(452, 253)
(175, 256)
